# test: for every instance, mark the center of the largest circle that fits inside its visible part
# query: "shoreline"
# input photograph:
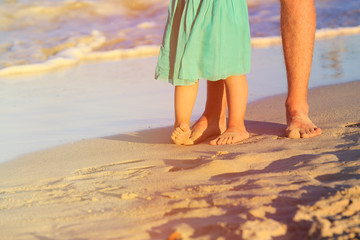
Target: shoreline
(140, 186)
(96, 99)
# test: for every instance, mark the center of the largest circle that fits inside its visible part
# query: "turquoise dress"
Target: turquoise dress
(204, 39)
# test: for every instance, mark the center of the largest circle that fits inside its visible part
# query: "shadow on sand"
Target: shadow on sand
(162, 135)
(286, 204)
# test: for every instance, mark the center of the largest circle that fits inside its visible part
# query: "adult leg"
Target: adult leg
(185, 97)
(298, 25)
(237, 93)
(213, 120)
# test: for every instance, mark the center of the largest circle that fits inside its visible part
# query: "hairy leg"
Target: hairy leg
(185, 97)
(298, 25)
(213, 120)
(237, 92)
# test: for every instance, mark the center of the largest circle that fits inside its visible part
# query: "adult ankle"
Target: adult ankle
(294, 106)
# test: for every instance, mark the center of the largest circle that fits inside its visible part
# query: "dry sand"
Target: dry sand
(140, 186)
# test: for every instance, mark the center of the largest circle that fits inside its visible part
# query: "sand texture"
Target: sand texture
(140, 186)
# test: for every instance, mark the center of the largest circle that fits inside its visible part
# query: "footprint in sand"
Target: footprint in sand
(179, 165)
(87, 184)
(353, 125)
(106, 178)
(113, 169)
(333, 217)
(193, 163)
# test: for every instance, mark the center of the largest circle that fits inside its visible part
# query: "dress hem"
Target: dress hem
(159, 77)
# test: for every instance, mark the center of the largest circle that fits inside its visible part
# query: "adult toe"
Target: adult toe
(293, 133)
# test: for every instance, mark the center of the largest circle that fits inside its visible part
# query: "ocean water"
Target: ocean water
(48, 34)
(43, 107)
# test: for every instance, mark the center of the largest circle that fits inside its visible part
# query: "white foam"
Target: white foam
(74, 56)
(320, 34)
(265, 41)
(85, 51)
(252, 3)
(137, 52)
(328, 33)
(145, 25)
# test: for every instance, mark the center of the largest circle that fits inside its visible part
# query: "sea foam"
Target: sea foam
(86, 51)
(320, 34)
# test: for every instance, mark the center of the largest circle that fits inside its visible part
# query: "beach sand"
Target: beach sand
(140, 186)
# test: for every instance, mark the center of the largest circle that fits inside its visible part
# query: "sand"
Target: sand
(140, 186)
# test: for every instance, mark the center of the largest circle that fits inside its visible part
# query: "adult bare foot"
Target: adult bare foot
(181, 134)
(230, 136)
(206, 127)
(299, 125)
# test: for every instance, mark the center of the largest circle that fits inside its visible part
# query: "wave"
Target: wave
(87, 50)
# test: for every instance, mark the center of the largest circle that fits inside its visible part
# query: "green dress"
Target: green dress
(204, 39)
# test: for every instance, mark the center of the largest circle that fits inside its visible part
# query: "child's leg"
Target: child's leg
(237, 92)
(185, 97)
(213, 120)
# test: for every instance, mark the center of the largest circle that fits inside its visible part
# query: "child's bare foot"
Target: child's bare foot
(299, 125)
(181, 134)
(207, 127)
(230, 136)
